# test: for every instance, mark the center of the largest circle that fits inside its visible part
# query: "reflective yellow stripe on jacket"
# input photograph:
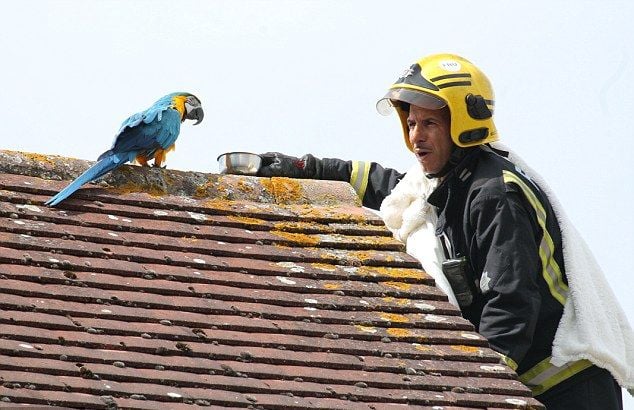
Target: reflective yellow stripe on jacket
(508, 361)
(359, 177)
(544, 375)
(550, 268)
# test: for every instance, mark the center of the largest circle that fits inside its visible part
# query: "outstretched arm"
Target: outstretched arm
(370, 180)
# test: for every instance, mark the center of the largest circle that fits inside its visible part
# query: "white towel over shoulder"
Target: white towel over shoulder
(593, 325)
(413, 221)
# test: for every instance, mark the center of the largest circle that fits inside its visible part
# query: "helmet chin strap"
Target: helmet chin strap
(457, 154)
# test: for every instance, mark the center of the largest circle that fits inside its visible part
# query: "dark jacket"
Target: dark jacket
(493, 215)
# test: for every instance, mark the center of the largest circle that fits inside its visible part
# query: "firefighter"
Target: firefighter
(500, 241)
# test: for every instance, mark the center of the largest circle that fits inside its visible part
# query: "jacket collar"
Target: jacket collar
(457, 176)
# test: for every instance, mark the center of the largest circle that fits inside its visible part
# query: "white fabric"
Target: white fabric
(412, 221)
(593, 325)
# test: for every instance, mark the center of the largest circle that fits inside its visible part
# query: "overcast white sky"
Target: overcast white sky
(303, 77)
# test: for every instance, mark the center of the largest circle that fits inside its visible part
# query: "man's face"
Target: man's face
(430, 137)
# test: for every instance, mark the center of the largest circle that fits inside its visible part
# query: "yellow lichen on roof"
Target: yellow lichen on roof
(298, 238)
(399, 332)
(394, 317)
(397, 301)
(215, 188)
(131, 187)
(285, 190)
(246, 220)
(324, 267)
(366, 329)
(219, 204)
(398, 285)
(362, 256)
(202, 190)
(366, 240)
(244, 186)
(422, 348)
(465, 349)
(37, 157)
(314, 212)
(379, 240)
(397, 273)
(300, 226)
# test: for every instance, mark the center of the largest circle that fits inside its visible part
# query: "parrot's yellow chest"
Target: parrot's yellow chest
(179, 105)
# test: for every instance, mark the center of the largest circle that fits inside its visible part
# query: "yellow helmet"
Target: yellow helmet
(443, 80)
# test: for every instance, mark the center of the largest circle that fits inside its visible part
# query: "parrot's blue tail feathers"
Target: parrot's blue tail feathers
(102, 167)
(105, 154)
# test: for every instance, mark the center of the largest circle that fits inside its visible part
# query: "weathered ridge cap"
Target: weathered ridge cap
(199, 185)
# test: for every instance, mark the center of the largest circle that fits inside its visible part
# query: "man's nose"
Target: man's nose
(416, 135)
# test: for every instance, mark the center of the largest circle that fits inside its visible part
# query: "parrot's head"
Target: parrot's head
(193, 109)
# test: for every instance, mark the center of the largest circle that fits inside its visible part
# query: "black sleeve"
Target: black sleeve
(381, 181)
(504, 250)
(370, 180)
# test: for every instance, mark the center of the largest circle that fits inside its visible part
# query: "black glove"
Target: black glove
(275, 164)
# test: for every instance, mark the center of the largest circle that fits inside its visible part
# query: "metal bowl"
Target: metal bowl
(240, 163)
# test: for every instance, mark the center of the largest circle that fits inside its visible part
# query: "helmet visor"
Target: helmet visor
(419, 98)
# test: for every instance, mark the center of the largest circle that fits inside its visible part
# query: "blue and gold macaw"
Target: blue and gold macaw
(146, 135)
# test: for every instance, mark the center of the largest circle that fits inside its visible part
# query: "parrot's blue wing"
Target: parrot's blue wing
(166, 136)
(146, 137)
(146, 117)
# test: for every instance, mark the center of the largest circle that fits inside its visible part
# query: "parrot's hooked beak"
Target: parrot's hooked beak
(195, 113)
